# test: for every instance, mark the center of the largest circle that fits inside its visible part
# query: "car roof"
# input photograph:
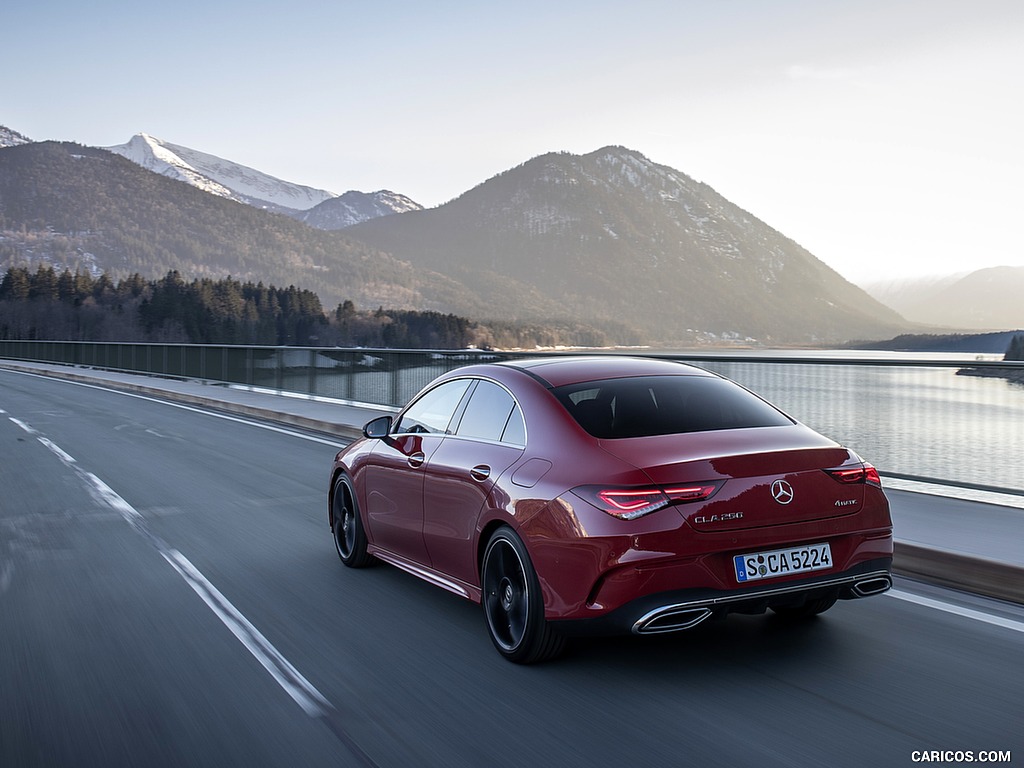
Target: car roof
(560, 371)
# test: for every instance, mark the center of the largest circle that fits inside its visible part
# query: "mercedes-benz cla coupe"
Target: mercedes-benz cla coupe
(588, 495)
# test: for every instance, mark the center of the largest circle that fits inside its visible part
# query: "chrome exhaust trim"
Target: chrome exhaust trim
(672, 618)
(676, 617)
(872, 586)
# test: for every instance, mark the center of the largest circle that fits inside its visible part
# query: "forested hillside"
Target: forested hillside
(76, 307)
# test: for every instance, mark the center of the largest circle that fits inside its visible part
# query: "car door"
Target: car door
(489, 438)
(395, 472)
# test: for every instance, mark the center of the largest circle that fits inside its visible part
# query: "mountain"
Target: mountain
(85, 208)
(11, 138)
(354, 207)
(613, 237)
(986, 299)
(609, 241)
(903, 292)
(224, 178)
(218, 176)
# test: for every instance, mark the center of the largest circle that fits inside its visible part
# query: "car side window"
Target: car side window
(492, 414)
(434, 410)
(515, 429)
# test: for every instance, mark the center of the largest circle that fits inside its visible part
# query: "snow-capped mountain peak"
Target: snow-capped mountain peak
(317, 207)
(354, 207)
(11, 138)
(218, 176)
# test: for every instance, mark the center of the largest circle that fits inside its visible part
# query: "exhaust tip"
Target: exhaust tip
(873, 586)
(670, 620)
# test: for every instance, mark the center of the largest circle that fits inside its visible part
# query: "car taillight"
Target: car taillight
(865, 473)
(631, 503)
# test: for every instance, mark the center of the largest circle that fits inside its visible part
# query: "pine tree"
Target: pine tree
(44, 284)
(1016, 349)
(16, 284)
(66, 286)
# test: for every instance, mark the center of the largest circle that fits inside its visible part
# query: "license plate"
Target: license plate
(782, 562)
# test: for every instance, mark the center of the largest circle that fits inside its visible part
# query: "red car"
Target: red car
(582, 495)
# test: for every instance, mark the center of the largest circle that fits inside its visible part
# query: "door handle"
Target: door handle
(480, 472)
(416, 459)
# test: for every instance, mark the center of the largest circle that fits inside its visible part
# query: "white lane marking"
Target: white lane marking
(56, 449)
(967, 613)
(205, 412)
(287, 676)
(104, 494)
(7, 571)
(44, 440)
(23, 425)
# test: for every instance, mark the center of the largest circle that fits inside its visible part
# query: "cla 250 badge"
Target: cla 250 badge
(718, 518)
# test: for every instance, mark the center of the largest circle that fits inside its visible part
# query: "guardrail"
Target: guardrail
(951, 422)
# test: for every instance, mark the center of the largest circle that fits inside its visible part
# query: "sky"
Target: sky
(885, 136)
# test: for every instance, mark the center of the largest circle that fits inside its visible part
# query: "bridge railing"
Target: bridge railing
(945, 421)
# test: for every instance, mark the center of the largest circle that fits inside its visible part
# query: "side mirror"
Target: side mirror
(378, 428)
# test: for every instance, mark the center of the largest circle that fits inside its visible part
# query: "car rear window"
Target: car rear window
(663, 405)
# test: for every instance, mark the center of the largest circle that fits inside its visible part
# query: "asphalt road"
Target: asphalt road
(170, 596)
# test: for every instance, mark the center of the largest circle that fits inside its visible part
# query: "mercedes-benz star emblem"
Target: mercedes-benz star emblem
(782, 492)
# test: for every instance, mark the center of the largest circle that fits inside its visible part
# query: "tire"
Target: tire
(805, 610)
(349, 536)
(513, 604)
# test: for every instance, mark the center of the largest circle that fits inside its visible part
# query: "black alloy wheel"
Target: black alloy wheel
(349, 537)
(513, 604)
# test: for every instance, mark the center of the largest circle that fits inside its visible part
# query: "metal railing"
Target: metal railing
(946, 421)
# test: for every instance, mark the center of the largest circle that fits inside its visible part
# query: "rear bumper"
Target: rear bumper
(683, 609)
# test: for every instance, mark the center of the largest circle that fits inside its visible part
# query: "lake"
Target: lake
(899, 413)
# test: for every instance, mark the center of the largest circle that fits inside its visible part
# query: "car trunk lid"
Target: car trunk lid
(768, 476)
